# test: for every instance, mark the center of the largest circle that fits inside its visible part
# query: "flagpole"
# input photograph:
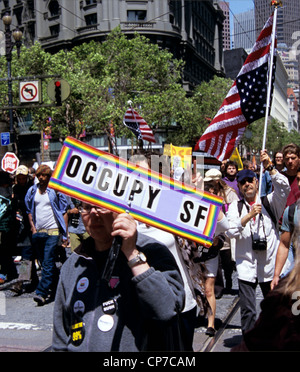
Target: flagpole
(276, 3)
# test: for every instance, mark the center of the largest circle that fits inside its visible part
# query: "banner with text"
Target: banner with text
(105, 180)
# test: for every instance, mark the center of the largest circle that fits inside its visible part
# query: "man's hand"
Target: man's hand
(125, 226)
(265, 159)
(255, 210)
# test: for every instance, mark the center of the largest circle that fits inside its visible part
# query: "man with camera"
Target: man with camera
(253, 223)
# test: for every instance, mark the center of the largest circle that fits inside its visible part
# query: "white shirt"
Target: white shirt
(258, 264)
(45, 218)
(169, 241)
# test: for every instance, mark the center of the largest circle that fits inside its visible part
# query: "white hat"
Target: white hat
(212, 175)
(22, 170)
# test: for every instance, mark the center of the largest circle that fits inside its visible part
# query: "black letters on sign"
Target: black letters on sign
(73, 166)
(186, 218)
(85, 178)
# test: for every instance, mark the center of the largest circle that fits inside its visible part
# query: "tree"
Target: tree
(277, 136)
(202, 107)
(103, 77)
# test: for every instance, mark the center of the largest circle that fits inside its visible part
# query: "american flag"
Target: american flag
(244, 103)
(138, 125)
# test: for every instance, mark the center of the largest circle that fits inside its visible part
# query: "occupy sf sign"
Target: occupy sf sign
(102, 179)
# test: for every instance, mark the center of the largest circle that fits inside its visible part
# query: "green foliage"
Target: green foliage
(103, 77)
(277, 136)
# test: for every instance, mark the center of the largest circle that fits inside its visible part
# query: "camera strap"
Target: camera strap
(241, 202)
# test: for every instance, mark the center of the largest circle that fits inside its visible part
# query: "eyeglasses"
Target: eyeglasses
(279, 157)
(249, 180)
(86, 208)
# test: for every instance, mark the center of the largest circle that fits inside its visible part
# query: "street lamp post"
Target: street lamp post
(17, 35)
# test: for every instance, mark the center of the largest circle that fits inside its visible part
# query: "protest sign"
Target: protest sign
(105, 180)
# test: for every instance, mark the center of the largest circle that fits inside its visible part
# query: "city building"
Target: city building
(279, 108)
(244, 35)
(191, 30)
(290, 62)
(288, 19)
(233, 61)
(293, 107)
(224, 5)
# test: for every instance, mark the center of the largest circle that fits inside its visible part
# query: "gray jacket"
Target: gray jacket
(133, 306)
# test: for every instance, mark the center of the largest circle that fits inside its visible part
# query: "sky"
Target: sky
(239, 6)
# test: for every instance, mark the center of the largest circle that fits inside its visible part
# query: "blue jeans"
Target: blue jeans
(44, 245)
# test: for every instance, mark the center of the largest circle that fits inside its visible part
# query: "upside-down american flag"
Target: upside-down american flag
(138, 125)
(245, 101)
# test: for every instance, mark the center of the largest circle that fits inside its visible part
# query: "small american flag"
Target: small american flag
(244, 103)
(138, 125)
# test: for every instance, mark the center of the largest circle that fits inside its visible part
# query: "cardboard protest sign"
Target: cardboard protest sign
(105, 180)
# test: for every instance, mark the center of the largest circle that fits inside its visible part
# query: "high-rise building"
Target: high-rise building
(244, 30)
(224, 5)
(288, 26)
(288, 21)
(191, 30)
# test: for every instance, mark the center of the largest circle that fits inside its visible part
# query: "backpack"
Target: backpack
(265, 203)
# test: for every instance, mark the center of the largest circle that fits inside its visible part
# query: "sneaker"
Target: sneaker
(39, 300)
(210, 332)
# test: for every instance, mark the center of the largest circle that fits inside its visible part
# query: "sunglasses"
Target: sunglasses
(247, 179)
(87, 208)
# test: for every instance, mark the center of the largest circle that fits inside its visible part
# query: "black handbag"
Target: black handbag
(205, 254)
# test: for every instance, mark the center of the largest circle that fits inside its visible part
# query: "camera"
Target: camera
(259, 244)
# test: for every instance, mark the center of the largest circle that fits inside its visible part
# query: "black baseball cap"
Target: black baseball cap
(245, 173)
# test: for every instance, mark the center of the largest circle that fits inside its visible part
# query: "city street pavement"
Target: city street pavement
(23, 325)
(231, 334)
(26, 327)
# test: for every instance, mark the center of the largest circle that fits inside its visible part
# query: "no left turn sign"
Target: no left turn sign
(29, 91)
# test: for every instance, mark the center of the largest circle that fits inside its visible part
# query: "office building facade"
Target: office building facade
(244, 30)
(191, 30)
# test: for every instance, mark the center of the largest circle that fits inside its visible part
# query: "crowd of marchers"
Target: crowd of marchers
(127, 286)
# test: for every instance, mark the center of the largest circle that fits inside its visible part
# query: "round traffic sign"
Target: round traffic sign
(10, 162)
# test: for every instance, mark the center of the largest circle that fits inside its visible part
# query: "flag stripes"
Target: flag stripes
(244, 103)
(138, 125)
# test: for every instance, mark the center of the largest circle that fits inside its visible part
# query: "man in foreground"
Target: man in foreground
(133, 308)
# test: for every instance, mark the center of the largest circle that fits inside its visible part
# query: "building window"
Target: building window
(90, 2)
(136, 15)
(54, 8)
(54, 30)
(91, 19)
